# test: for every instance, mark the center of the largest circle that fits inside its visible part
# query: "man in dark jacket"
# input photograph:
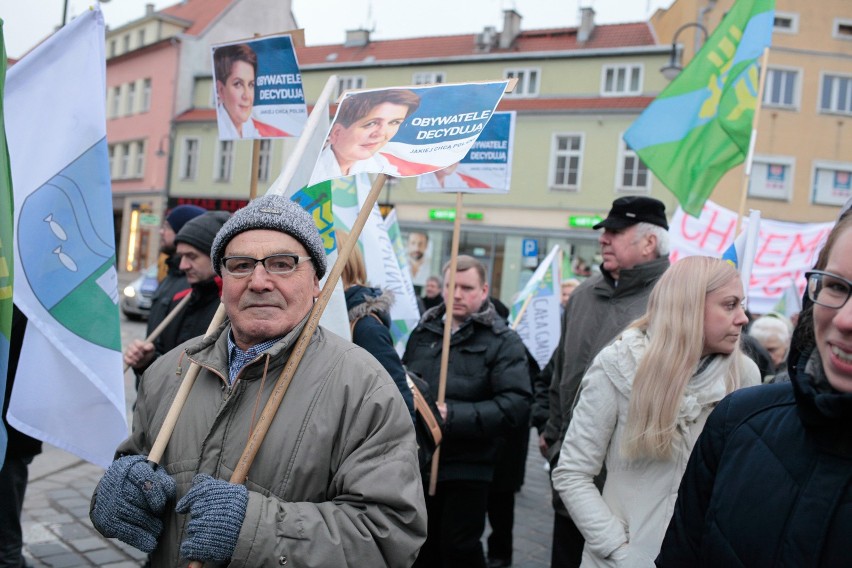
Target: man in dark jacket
(174, 280)
(487, 393)
(192, 244)
(634, 246)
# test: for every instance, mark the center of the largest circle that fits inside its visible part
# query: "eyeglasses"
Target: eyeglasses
(242, 266)
(827, 289)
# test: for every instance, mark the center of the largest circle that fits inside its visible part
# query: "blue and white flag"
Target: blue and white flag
(742, 251)
(69, 388)
(535, 312)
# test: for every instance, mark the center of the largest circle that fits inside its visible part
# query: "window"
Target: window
(141, 37)
(111, 151)
(126, 43)
(189, 160)
(347, 82)
(426, 78)
(131, 98)
(566, 159)
(632, 173)
(527, 81)
(786, 23)
(124, 161)
(621, 80)
(264, 160)
(139, 161)
(112, 47)
(832, 183)
(781, 88)
(842, 29)
(771, 178)
(224, 160)
(146, 96)
(116, 102)
(836, 96)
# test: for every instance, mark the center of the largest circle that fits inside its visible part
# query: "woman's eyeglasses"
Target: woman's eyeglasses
(827, 289)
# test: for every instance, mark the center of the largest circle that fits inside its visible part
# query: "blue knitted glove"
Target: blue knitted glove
(217, 510)
(130, 499)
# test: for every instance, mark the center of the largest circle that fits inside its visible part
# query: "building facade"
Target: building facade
(802, 169)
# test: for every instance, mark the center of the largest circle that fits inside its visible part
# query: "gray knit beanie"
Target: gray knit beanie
(277, 213)
(200, 231)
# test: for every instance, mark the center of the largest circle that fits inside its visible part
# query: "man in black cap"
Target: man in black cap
(192, 245)
(634, 247)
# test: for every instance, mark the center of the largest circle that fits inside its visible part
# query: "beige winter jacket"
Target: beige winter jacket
(336, 481)
(625, 526)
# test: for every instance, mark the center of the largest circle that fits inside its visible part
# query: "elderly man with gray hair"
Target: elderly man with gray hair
(336, 481)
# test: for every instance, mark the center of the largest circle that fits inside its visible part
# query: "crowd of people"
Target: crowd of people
(670, 439)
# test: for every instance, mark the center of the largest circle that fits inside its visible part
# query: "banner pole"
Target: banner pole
(166, 321)
(764, 62)
(448, 331)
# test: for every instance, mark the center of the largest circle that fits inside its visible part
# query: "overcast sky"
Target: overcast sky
(325, 21)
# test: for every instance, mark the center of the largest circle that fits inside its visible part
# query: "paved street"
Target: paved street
(58, 533)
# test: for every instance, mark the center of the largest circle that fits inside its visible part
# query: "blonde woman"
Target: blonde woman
(643, 404)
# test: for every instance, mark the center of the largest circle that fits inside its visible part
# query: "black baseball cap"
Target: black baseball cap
(627, 211)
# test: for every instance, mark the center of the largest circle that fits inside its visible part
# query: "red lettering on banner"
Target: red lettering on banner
(776, 284)
(714, 228)
(766, 250)
(800, 246)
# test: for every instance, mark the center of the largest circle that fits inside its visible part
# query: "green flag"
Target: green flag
(699, 127)
(7, 213)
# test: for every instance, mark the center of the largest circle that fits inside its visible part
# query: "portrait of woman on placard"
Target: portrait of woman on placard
(364, 123)
(235, 69)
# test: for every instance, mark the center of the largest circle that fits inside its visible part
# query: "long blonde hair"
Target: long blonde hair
(674, 323)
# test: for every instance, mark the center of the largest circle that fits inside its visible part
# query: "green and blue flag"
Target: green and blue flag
(700, 126)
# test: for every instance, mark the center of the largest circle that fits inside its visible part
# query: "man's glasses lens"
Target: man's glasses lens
(275, 264)
(828, 290)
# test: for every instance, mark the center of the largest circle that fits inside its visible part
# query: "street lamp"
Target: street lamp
(675, 65)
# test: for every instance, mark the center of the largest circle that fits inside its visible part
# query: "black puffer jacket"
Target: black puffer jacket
(487, 391)
(769, 482)
(195, 317)
(365, 305)
(174, 282)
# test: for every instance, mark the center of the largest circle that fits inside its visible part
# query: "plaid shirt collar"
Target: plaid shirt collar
(237, 358)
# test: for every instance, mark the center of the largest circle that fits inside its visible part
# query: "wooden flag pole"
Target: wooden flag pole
(448, 331)
(159, 447)
(764, 69)
(520, 315)
(166, 321)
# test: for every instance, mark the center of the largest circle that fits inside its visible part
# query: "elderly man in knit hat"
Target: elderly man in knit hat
(336, 480)
(192, 249)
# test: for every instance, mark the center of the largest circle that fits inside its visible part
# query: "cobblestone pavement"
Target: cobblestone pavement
(59, 534)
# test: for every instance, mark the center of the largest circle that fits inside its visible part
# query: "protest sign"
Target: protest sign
(785, 250)
(486, 168)
(406, 132)
(258, 89)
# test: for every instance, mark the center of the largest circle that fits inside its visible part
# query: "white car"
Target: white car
(136, 296)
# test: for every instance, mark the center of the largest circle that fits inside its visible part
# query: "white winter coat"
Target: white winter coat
(625, 526)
